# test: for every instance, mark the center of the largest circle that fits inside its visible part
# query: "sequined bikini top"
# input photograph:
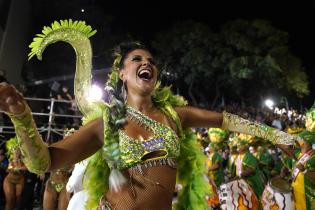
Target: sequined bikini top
(163, 147)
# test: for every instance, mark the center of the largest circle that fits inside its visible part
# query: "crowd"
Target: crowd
(56, 181)
(139, 142)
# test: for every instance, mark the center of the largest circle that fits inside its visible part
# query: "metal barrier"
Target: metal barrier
(48, 126)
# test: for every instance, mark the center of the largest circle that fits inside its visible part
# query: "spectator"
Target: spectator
(3, 167)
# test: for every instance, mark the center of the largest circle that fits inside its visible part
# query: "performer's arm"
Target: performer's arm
(194, 117)
(37, 156)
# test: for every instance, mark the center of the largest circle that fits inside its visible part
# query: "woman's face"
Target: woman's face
(139, 72)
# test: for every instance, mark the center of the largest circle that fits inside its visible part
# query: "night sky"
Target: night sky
(144, 19)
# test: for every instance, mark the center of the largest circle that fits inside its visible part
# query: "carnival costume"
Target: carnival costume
(246, 161)
(266, 162)
(231, 166)
(215, 176)
(16, 168)
(103, 173)
(75, 186)
(303, 182)
(58, 179)
(217, 136)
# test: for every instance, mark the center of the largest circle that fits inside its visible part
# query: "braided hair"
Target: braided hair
(100, 175)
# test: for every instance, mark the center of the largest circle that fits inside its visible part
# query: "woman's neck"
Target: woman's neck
(143, 104)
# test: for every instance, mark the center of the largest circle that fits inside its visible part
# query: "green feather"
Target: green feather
(191, 162)
(86, 30)
(11, 145)
(191, 171)
(96, 179)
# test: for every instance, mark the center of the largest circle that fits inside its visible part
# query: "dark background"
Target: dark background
(142, 20)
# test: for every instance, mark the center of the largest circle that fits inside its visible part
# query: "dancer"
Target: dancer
(247, 168)
(55, 190)
(14, 181)
(140, 135)
(303, 173)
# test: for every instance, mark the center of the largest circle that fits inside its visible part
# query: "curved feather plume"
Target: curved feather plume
(77, 34)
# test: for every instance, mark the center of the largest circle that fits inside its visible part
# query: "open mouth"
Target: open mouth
(145, 74)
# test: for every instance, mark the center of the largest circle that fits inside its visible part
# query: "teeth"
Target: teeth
(145, 71)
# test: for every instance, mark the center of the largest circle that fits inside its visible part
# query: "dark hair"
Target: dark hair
(125, 48)
(3, 79)
(116, 87)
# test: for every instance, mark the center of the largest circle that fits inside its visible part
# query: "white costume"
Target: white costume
(75, 185)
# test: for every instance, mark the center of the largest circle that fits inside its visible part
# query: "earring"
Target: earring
(124, 94)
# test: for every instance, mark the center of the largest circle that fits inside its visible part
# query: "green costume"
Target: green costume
(287, 161)
(133, 151)
(303, 183)
(266, 164)
(216, 175)
(231, 165)
(256, 180)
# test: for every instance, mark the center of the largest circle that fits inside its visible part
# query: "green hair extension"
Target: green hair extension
(113, 114)
(114, 76)
(96, 179)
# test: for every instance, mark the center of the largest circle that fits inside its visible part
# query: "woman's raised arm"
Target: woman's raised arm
(37, 156)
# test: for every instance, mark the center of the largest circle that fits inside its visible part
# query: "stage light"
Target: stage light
(82, 10)
(269, 103)
(95, 94)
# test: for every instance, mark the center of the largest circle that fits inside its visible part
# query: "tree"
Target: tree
(242, 59)
(186, 52)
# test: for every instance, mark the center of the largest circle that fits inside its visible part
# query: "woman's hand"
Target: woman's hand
(11, 100)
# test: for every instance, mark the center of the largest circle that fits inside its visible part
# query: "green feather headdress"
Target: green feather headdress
(219, 133)
(11, 145)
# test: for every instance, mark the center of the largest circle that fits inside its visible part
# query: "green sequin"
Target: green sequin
(132, 150)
